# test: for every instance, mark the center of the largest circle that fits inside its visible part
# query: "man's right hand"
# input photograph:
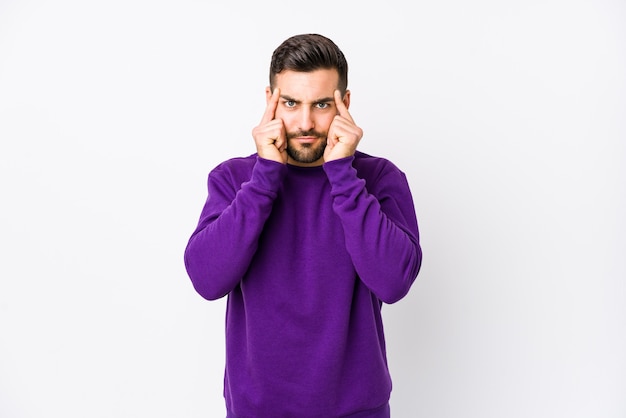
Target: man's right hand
(269, 135)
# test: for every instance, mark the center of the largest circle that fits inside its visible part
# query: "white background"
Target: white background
(508, 118)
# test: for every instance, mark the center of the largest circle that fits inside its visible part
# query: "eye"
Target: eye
(290, 103)
(322, 105)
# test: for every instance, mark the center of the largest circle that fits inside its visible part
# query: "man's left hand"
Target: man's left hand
(343, 135)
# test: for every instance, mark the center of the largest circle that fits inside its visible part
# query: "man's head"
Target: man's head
(306, 53)
(307, 69)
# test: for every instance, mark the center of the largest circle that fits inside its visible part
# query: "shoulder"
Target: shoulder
(382, 177)
(234, 170)
(235, 165)
(370, 166)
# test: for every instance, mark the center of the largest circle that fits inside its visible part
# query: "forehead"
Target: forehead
(307, 86)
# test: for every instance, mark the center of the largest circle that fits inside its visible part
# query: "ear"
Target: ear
(346, 99)
(268, 94)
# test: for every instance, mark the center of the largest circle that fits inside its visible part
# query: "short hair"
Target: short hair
(309, 52)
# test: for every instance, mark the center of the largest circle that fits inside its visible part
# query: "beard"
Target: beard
(306, 153)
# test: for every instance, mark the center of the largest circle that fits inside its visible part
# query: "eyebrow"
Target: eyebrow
(322, 100)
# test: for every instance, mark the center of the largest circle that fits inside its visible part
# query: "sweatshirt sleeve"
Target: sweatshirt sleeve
(380, 226)
(226, 238)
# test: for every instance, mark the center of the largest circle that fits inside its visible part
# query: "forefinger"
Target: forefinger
(270, 110)
(341, 107)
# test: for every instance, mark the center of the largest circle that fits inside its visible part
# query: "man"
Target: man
(308, 237)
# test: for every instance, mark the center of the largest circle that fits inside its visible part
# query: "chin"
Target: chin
(308, 153)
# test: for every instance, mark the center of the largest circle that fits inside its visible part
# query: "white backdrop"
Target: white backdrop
(508, 118)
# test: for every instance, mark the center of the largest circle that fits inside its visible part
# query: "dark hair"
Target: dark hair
(309, 52)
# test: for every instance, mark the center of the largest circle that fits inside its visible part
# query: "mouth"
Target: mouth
(305, 139)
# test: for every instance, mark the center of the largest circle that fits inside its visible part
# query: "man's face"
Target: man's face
(307, 108)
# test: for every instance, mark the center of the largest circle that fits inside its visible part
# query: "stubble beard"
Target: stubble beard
(306, 153)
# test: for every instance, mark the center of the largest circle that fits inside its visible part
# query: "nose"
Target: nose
(305, 119)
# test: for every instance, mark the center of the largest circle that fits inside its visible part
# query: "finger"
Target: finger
(270, 110)
(281, 144)
(339, 128)
(331, 136)
(341, 107)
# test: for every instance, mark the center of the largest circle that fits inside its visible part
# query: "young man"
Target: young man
(308, 237)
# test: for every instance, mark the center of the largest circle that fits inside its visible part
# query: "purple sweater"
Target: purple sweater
(307, 256)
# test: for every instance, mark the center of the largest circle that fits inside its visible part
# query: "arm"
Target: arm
(222, 246)
(381, 231)
(225, 240)
(380, 228)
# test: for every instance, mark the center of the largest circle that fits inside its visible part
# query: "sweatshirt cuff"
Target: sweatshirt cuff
(341, 170)
(343, 177)
(268, 174)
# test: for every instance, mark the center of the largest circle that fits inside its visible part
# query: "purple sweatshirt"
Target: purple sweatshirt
(307, 256)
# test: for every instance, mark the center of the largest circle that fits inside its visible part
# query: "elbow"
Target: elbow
(406, 277)
(203, 278)
(393, 294)
(205, 285)
(390, 298)
(207, 291)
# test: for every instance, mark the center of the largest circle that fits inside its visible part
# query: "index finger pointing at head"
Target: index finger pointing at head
(270, 110)
(341, 107)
